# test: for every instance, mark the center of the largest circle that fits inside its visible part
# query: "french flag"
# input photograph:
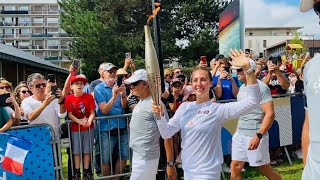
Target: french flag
(16, 152)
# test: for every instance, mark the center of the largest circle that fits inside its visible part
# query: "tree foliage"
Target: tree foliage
(297, 40)
(104, 30)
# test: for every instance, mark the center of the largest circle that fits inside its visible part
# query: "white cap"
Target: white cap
(306, 5)
(138, 75)
(108, 66)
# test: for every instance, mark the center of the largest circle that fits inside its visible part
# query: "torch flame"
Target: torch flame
(154, 12)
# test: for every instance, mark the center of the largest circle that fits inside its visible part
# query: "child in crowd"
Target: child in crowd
(81, 110)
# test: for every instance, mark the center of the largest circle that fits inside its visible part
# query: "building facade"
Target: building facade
(33, 26)
(258, 39)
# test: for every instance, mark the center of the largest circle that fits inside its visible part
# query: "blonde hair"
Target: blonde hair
(17, 91)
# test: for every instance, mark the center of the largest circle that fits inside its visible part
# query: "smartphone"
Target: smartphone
(3, 98)
(54, 90)
(274, 60)
(76, 64)
(52, 78)
(119, 80)
(128, 55)
(203, 59)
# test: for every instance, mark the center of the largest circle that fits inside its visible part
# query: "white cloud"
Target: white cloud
(259, 13)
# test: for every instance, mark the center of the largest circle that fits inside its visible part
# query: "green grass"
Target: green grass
(287, 171)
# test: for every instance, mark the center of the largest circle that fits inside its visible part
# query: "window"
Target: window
(23, 8)
(53, 20)
(8, 31)
(250, 34)
(24, 21)
(264, 43)
(9, 8)
(38, 20)
(53, 42)
(24, 31)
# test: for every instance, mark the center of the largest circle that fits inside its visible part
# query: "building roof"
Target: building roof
(17, 55)
(19, 2)
(273, 28)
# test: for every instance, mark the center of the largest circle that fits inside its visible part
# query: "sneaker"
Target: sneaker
(225, 168)
(87, 176)
(76, 177)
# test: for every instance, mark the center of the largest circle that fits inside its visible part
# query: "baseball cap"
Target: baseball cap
(78, 78)
(306, 5)
(108, 66)
(176, 80)
(138, 75)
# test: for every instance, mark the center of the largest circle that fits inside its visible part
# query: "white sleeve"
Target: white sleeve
(57, 109)
(168, 129)
(239, 108)
(27, 108)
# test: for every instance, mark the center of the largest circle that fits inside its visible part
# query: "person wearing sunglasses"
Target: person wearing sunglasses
(144, 133)
(20, 93)
(250, 143)
(13, 109)
(111, 100)
(42, 108)
(310, 140)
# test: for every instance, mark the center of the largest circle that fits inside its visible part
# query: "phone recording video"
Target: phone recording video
(203, 59)
(54, 91)
(128, 55)
(3, 98)
(76, 65)
(119, 80)
(52, 78)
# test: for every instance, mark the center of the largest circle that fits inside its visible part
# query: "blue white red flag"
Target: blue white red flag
(16, 152)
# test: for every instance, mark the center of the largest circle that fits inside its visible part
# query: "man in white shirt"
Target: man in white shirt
(310, 132)
(40, 107)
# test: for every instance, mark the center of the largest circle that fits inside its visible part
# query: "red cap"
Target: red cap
(78, 78)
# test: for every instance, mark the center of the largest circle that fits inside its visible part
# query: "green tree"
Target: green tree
(297, 40)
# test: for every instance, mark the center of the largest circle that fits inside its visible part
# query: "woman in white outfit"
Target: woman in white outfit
(201, 121)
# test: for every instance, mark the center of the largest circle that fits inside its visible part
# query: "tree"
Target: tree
(297, 40)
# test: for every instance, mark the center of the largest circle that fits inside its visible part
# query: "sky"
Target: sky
(280, 13)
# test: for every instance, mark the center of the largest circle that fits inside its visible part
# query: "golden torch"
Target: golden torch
(152, 67)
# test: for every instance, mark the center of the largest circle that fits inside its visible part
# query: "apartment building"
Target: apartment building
(258, 39)
(33, 26)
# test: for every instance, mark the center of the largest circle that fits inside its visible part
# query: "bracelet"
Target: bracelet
(62, 101)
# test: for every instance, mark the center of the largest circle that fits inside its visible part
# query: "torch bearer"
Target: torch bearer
(152, 67)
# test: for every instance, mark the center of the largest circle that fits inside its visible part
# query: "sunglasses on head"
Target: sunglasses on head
(135, 83)
(43, 85)
(239, 70)
(5, 87)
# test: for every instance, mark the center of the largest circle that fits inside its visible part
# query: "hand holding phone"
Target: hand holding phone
(3, 98)
(52, 78)
(76, 65)
(119, 80)
(203, 59)
(128, 55)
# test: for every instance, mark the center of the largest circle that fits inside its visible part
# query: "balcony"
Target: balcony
(54, 58)
(41, 35)
(13, 12)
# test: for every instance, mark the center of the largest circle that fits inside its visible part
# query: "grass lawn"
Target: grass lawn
(287, 171)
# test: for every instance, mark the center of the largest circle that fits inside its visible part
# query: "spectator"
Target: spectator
(250, 143)
(112, 100)
(40, 107)
(21, 92)
(215, 69)
(5, 121)
(276, 80)
(81, 110)
(145, 141)
(128, 62)
(299, 87)
(94, 83)
(175, 98)
(292, 79)
(225, 86)
(13, 109)
(176, 71)
(168, 75)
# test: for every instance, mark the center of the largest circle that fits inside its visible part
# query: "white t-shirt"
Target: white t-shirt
(50, 115)
(200, 126)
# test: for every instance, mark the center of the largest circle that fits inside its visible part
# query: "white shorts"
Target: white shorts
(143, 169)
(257, 157)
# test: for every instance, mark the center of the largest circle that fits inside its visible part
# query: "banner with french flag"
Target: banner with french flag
(16, 152)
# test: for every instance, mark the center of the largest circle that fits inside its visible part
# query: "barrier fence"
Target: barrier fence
(44, 159)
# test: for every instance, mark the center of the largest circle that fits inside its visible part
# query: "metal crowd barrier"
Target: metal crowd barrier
(97, 139)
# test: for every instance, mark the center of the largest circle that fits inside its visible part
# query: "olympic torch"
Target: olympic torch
(152, 67)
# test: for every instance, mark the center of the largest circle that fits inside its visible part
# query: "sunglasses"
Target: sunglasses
(42, 85)
(239, 70)
(112, 71)
(177, 72)
(135, 83)
(24, 92)
(5, 87)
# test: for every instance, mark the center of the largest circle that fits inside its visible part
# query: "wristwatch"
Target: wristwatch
(253, 66)
(259, 135)
(170, 163)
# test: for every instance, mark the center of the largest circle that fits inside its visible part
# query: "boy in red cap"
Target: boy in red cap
(81, 110)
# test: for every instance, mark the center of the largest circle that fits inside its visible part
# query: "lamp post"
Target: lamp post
(157, 42)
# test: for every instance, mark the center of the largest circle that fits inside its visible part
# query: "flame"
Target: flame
(154, 12)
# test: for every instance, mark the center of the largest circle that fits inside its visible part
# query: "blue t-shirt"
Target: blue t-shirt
(103, 93)
(226, 87)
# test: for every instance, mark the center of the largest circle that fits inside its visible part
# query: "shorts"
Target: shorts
(111, 144)
(83, 139)
(143, 169)
(255, 158)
